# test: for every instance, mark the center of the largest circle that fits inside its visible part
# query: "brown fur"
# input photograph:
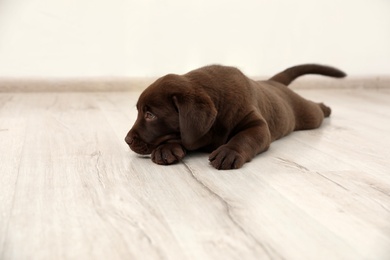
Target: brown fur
(220, 110)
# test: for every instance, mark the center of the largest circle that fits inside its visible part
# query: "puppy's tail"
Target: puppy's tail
(287, 76)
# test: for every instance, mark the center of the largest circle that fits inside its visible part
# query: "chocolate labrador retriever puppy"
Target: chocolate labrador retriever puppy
(219, 110)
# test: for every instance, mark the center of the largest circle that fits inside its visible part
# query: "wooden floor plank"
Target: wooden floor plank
(72, 189)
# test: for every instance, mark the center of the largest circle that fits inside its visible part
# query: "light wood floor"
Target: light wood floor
(70, 188)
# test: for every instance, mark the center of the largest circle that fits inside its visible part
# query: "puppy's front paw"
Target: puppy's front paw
(168, 153)
(225, 158)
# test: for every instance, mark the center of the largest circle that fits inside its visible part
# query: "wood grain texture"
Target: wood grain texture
(70, 188)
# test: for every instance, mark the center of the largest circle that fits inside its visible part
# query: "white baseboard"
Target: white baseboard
(138, 84)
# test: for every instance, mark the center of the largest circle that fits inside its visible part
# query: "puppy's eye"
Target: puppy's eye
(149, 116)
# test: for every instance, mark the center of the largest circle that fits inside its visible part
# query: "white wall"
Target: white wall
(76, 38)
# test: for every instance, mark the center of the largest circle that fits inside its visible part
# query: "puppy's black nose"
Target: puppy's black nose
(129, 140)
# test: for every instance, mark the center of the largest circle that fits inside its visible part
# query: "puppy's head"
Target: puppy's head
(172, 109)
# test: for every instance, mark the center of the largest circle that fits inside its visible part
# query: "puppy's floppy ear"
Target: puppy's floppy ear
(197, 114)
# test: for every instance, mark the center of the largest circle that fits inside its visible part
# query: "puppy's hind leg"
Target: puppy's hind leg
(310, 115)
(325, 109)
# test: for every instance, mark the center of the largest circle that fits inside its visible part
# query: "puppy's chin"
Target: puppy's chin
(142, 148)
(169, 138)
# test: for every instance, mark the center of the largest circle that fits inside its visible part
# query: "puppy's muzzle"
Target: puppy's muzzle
(137, 145)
